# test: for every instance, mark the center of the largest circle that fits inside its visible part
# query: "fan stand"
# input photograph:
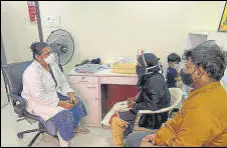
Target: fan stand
(59, 63)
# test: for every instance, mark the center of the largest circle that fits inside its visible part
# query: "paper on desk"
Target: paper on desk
(90, 68)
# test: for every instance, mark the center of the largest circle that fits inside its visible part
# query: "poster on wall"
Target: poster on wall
(31, 11)
(223, 22)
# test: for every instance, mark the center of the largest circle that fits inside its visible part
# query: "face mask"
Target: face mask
(187, 78)
(176, 66)
(50, 59)
(153, 67)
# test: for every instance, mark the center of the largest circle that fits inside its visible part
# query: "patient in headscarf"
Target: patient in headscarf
(153, 95)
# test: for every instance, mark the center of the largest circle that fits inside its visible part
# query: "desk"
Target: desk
(89, 87)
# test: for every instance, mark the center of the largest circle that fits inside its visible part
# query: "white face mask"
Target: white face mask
(50, 59)
(176, 66)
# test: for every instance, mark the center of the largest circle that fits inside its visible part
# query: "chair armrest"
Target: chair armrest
(155, 112)
(22, 106)
(17, 98)
(141, 112)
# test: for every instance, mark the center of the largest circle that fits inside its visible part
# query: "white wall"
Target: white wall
(111, 29)
(17, 31)
(220, 38)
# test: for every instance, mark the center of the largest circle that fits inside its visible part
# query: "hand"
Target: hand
(150, 137)
(146, 144)
(65, 104)
(131, 102)
(132, 99)
(74, 99)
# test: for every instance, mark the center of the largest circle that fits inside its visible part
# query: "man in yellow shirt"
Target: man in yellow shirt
(202, 121)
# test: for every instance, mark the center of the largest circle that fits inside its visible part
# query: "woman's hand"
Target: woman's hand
(65, 104)
(131, 101)
(74, 99)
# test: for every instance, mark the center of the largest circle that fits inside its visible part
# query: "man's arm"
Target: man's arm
(195, 130)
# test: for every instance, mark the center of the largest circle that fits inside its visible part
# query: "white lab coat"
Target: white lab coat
(40, 92)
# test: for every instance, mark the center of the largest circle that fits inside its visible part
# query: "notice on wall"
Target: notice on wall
(52, 21)
(31, 11)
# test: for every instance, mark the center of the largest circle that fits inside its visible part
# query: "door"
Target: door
(89, 95)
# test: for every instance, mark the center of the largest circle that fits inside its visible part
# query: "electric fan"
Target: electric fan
(61, 42)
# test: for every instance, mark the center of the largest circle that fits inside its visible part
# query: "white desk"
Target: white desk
(88, 86)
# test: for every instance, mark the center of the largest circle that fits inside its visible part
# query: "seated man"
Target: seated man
(202, 121)
(153, 95)
(49, 95)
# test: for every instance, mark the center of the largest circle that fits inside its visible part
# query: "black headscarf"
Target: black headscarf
(150, 61)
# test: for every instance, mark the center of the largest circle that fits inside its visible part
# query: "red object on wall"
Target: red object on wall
(116, 93)
(31, 11)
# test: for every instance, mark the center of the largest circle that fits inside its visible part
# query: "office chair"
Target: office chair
(176, 97)
(12, 74)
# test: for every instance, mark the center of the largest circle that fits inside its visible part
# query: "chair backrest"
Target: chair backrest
(176, 96)
(12, 74)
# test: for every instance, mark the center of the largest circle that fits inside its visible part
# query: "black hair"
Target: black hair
(210, 56)
(37, 48)
(173, 57)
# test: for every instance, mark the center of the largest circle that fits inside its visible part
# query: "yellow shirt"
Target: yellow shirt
(202, 121)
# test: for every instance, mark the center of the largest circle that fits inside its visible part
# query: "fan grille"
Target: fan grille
(62, 43)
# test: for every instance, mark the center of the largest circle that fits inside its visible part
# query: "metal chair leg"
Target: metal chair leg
(33, 140)
(21, 134)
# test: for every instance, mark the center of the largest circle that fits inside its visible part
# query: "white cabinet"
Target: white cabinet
(88, 87)
(88, 90)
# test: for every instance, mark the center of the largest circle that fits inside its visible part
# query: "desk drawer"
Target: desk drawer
(82, 79)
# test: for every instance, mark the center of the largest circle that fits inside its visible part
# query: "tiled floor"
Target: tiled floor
(97, 137)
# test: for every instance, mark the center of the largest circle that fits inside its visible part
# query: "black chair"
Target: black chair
(12, 74)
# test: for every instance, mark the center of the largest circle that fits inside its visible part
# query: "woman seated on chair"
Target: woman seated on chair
(202, 120)
(153, 95)
(49, 95)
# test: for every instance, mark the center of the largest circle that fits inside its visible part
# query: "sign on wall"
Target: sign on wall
(31, 11)
(223, 22)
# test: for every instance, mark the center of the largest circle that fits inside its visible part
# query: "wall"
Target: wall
(220, 37)
(110, 29)
(17, 31)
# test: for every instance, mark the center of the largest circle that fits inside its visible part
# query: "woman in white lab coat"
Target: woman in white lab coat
(49, 95)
